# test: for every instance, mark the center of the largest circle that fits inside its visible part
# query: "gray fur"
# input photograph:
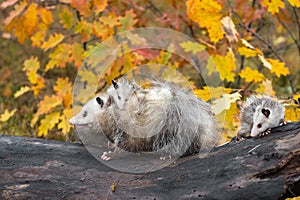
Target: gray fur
(253, 120)
(163, 118)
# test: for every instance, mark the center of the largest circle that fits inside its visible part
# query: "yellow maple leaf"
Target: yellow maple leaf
(38, 38)
(266, 88)
(292, 113)
(273, 5)
(207, 13)
(21, 91)
(53, 40)
(278, 67)
(251, 75)
(64, 125)
(110, 20)
(128, 20)
(48, 123)
(62, 86)
(193, 47)
(208, 93)
(31, 64)
(225, 65)
(59, 57)
(77, 54)
(88, 76)
(7, 115)
(295, 3)
(99, 6)
(265, 62)
(296, 97)
(249, 52)
(84, 28)
(66, 18)
(48, 104)
(40, 84)
(67, 100)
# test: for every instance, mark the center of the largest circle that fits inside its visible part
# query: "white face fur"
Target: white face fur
(121, 92)
(86, 115)
(262, 120)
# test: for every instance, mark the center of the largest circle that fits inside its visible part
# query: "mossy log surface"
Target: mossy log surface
(257, 168)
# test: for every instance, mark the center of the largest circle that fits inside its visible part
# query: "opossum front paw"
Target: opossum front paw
(267, 132)
(282, 123)
(106, 156)
(165, 157)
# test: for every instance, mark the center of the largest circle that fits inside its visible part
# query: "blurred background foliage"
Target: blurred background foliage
(255, 46)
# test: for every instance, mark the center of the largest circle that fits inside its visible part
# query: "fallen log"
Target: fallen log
(257, 168)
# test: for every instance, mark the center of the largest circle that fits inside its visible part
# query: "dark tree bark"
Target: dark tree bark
(257, 168)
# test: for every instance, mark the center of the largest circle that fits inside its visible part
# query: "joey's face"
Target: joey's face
(86, 115)
(260, 121)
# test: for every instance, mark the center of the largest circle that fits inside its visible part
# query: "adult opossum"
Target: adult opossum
(162, 118)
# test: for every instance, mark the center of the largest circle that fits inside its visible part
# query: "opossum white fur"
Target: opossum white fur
(259, 115)
(121, 91)
(86, 116)
(163, 118)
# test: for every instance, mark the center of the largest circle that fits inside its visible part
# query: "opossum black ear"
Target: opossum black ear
(115, 84)
(266, 112)
(100, 101)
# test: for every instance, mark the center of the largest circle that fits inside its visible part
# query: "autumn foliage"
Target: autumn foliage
(254, 45)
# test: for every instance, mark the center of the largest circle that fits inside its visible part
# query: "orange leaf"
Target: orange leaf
(48, 104)
(128, 20)
(31, 19)
(83, 7)
(46, 16)
(53, 40)
(77, 54)
(99, 5)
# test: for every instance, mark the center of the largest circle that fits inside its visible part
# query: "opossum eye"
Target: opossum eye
(84, 114)
(259, 125)
(119, 97)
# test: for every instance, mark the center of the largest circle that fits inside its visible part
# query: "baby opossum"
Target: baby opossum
(121, 91)
(163, 118)
(259, 115)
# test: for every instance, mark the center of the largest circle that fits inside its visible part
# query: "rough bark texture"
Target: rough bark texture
(258, 168)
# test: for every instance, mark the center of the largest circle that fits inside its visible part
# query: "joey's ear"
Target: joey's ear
(266, 112)
(115, 84)
(100, 101)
